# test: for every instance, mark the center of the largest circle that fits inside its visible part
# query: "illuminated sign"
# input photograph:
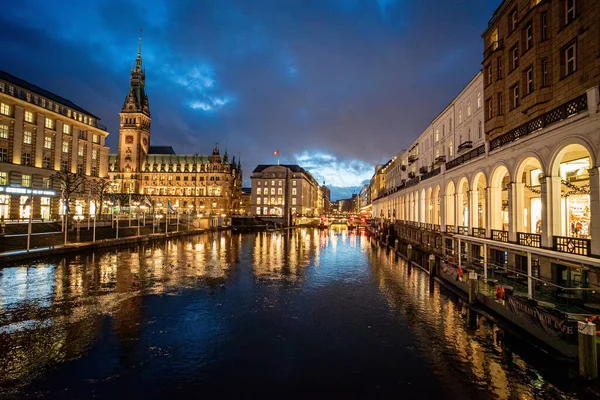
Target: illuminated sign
(22, 190)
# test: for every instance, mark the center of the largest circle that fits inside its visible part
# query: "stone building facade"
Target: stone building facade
(189, 183)
(42, 133)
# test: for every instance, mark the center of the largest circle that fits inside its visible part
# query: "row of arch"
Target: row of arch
(533, 197)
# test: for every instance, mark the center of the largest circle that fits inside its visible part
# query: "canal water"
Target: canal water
(305, 313)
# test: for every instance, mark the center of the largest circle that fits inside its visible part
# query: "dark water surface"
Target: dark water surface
(277, 315)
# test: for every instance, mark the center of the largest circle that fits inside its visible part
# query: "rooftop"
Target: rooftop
(42, 92)
(161, 150)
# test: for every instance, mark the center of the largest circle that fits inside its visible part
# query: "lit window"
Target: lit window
(469, 109)
(266, 200)
(28, 116)
(80, 151)
(460, 116)
(4, 109)
(95, 138)
(279, 191)
(94, 154)
(437, 135)
(272, 190)
(450, 149)
(47, 183)
(258, 200)
(26, 159)
(258, 191)
(570, 59)
(67, 129)
(49, 123)
(65, 147)
(293, 191)
(293, 201)
(27, 137)
(3, 131)
(26, 180)
(479, 100)
(47, 142)
(280, 183)
(293, 183)
(272, 183)
(3, 178)
(257, 210)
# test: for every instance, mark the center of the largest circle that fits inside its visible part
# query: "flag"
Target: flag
(276, 153)
(27, 202)
(169, 206)
(148, 202)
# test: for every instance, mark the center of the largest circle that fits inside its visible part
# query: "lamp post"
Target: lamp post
(94, 231)
(78, 218)
(159, 217)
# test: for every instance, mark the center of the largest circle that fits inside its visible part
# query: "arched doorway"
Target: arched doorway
(437, 214)
(478, 201)
(462, 203)
(498, 207)
(449, 204)
(429, 203)
(527, 207)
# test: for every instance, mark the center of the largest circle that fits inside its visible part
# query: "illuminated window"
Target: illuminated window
(279, 191)
(258, 191)
(46, 162)
(49, 123)
(47, 142)
(26, 180)
(3, 131)
(266, 200)
(67, 129)
(4, 109)
(280, 183)
(460, 116)
(257, 210)
(293, 201)
(46, 183)
(95, 138)
(293, 191)
(272, 191)
(25, 207)
(28, 116)
(258, 200)
(479, 100)
(65, 147)
(437, 135)
(293, 183)
(80, 151)
(450, 149)
(94, 154)
(27, 137)
(3, 178)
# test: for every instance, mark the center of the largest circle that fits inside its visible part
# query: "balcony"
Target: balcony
(529, 239)
(423, 170)
(412, 158)
(440, 160)
(496, 45)
(572, 245)
(411, 175)
(500, 236)
(479, 232)
(463, 147)
(403, 167)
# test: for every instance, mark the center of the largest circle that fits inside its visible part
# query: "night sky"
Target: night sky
(335, 85)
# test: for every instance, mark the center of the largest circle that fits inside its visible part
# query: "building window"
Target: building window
(500, 104)
(515, 96)
(499, 67)
(49, 123)
(94, 170)
(266, 200)
(569, 11)
(47, 142)
(95, 138)
(27, 137)
(80, 168)
(257, 210)
(3, 131)
(515, 57)
(273, 191)
(80, 151)
(258, 200)
(478, 100)
(4, 178)
(279, 191)
(529, 79)
(514, 20)
(4, 109)
(26, 180)
(293, 191)
(544, 72)
(46, 162)
(469, 109)
(3, 154)
(29, 116)
(489, 74)
(46, 183)
(65, 147)
(95, 154)
(480, 128)
(570, 57)
(528, 37)
(293, 183)
(26, 159)
(490, 110)
(293, 201)
(544, 26)
(67, 129)
(460, 116)
(258, 191)
(450, 149)
(64, 165)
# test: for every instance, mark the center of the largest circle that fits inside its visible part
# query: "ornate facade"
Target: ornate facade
(190, 183)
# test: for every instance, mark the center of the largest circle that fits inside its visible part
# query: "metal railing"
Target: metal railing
(463, 230)
(500, 236)
(529, 239)
(466, 157)
(479, 232)
(572, 245)
(449, 228)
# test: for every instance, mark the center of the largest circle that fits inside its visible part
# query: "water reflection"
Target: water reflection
(461, 345)
(165, 316)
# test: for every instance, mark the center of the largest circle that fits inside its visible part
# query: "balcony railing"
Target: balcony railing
(573, 245)
(431, 173)
(423, 170)
(411, 175)
(558, 114)
(465, 146)
(463, 230)
(466, 157)
(496, 45)
(529, 239)
(500, 236)
(449, 228)
(436, 228)
(479, 232)
(440, 160)
(403, 167)
(413, 181)
(412, 159)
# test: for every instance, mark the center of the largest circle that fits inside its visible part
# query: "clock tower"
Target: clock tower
(134, 128)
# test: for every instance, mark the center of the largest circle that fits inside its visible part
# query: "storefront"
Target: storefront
(575, 198)
(21, 203)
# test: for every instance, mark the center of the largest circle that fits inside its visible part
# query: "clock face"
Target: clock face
(129, 139)
(145, 141)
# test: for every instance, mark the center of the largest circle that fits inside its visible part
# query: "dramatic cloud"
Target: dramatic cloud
(354, 80)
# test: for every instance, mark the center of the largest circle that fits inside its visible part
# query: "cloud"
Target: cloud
(333, 171)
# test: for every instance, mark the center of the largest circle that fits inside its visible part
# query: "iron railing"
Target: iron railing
(466, 157)
(573, 245)
(529, 239)
(463, 230)
(500, 236)
(479, 232)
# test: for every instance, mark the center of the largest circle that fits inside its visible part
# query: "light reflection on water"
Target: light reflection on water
(322, 307)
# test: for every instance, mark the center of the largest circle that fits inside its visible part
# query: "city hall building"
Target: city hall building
(42, 133)
(508, 172)
(190, 183)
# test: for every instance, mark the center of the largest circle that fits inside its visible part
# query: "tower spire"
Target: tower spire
(138, 60)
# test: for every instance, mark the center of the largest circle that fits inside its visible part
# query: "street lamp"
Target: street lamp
(78, 218)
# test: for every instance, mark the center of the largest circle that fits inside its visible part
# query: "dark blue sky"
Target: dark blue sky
(336, 85)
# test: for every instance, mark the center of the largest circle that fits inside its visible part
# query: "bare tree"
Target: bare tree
(71, 185)
(101, 189)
